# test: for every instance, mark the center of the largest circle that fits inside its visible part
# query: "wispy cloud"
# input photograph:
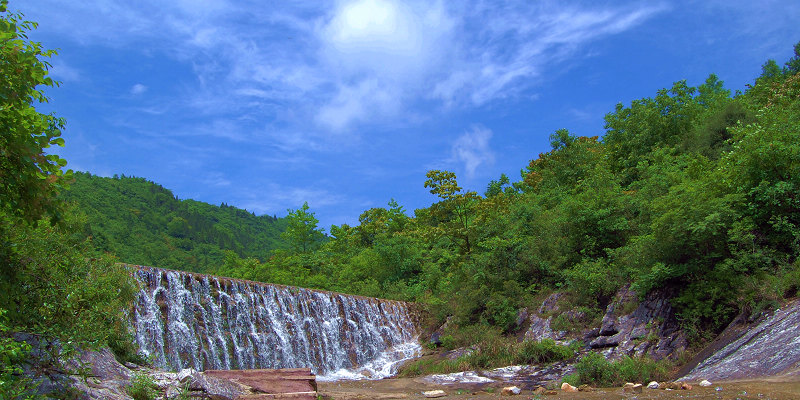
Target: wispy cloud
(138, 89)
(329, 68)
(473, 150)
(63, 72)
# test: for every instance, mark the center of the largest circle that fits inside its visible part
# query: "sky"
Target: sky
(265, 105)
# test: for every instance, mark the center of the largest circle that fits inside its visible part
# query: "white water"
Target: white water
(184, 320)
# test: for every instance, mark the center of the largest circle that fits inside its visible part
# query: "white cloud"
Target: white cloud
(138, 89)
(64, 72)
(319, 68)
(472, 149)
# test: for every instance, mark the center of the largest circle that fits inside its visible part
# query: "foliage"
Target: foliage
(143, 223)
(142, 387)
(51, 283)
(13, 385)
(49, 286)
(692, 191)
(492, 350)
(594, 369)
(301, 231)
(30, 178)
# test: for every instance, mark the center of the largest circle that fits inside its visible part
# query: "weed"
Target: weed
(142, 387)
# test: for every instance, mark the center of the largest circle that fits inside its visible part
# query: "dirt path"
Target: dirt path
(407, 388)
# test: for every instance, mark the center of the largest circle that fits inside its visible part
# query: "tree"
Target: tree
(51, 283)
(455, 201)
(30, 178)
(302, 232)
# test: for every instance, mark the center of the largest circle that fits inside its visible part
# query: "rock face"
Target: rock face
(649, 329)
(629, 327)
(770, 348)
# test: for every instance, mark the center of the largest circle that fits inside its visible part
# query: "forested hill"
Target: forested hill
(142, 222)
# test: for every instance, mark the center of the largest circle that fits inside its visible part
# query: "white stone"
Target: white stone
(652, 385)
(705, 383)
(568, 388)
(185, 374)
(510, 390)
(434, 393)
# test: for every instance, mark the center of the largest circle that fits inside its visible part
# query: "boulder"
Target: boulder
(632, 388)
(215, 388)
(653, 385)
(566, 387)
(550, 304)
(686, 386)
(434, 394)
(185, 374)
(638, 328)
(705, 383)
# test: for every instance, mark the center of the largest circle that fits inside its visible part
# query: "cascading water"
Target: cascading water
(185, 320)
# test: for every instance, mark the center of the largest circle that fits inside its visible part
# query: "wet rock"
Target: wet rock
(705, 383)
(566, 387)
(510, 391)
(434, 394)
(653, 385)
(686, 386)
(539, 390)
(673, 386)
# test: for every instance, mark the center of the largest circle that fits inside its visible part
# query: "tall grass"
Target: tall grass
(493, 352)
(594, 369)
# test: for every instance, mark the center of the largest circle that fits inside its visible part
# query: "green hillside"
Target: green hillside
(142, 222)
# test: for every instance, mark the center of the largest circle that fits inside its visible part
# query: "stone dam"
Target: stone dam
(186, 320)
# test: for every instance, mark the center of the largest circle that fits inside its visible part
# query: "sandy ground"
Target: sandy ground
(408, 388)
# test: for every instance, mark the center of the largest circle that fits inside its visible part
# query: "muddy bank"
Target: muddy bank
(408, 388)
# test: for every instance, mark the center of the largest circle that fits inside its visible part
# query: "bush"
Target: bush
(13, 385)
(594, 369)
(542, 352)
(142, 387)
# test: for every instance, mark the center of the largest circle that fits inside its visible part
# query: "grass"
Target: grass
(593, 369)
(142, 387)
(493, 352)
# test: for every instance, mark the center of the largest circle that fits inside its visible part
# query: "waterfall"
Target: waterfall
(187, 320)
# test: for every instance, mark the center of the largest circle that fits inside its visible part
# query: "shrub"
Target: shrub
(142, 387)
(13, 384)
(594, 369)
(540, 352)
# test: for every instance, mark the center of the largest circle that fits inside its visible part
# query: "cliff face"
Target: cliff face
(185, 320)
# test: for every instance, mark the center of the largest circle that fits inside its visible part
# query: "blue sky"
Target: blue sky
(347, 104)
